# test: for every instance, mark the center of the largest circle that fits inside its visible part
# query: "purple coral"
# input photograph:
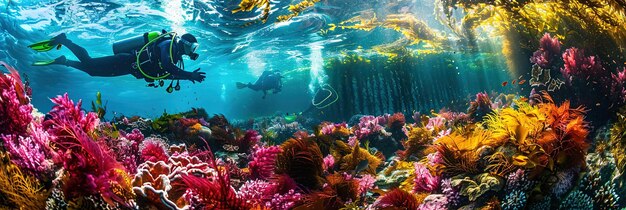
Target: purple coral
(435, 123)
(548, 49)
(618, 86)
(368, 125)
(263, 162)
(424, 180)
(284, 201)
(329, 163)
(31, 153)
(452, 193)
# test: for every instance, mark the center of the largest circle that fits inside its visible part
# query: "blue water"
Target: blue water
(230, 51)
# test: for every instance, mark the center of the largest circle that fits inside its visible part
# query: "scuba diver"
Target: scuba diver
(152, 56)
(269, 80)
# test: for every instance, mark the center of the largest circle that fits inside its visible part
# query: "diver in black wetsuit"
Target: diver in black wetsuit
(160, 58)
(269, 80)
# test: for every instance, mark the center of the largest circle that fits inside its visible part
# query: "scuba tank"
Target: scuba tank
(133, 44)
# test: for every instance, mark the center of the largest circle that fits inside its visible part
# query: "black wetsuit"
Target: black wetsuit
(268, 81)
(124, 63)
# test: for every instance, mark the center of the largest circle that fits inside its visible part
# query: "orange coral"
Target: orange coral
(566, 140)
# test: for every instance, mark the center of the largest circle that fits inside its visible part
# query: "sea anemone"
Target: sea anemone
(263, 162)
(397, 198)
(302, 160)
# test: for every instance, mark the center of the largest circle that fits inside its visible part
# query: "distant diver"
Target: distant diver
(269, 80)
(152, 56)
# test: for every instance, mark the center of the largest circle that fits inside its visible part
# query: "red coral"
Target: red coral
(153, 151)
(397, 198)
(396, 121)
(215, 193)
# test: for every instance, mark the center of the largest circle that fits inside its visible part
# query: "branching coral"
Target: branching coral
(15, 108)
(419, 139)
(579, 66)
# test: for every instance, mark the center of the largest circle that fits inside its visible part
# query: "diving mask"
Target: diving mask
(190, 49)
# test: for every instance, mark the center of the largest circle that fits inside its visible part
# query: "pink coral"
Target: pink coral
(329, 163)
(436, 123)
(548, 49)
(366, 182)
(88, 164)
(66, 112)
(577, 65)
(424, 180)
(368, 125)
(31, 153)
(250, 138)
(255, 192)
(15, 109)
(618, 86)
(263, 162)
(284, 201)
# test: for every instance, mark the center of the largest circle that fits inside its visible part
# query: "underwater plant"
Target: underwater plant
(301, 159)
(397, 198)
(249, 5)
(86, 162)
(19, 189)
(296, 9)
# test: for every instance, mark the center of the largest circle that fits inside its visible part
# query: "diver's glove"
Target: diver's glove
(197, 76)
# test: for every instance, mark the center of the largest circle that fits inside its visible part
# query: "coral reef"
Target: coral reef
(508, 152)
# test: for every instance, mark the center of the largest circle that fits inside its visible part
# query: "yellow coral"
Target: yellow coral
(516, 126)
(352, 160)
(22, 190)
